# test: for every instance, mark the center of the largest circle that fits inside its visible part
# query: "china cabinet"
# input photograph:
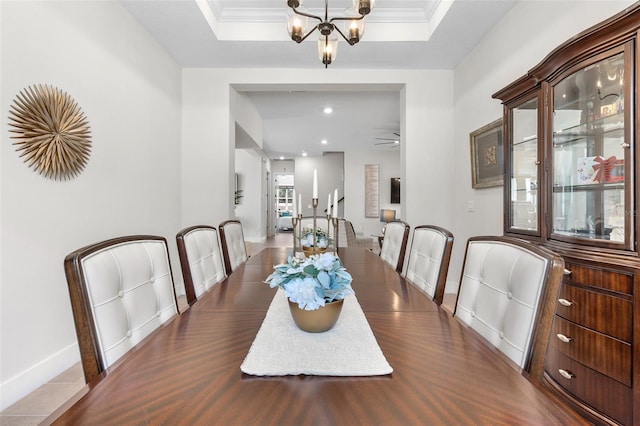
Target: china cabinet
(571, 154)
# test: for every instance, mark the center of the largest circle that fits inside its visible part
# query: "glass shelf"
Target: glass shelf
(528, 139)
(611, 126)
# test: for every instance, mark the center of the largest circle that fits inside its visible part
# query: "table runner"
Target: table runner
(348, 349)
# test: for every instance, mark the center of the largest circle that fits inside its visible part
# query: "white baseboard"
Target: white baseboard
(35, 376)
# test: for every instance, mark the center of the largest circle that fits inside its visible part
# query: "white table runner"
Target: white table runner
(348, 349)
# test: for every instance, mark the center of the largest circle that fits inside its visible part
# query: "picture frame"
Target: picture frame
(395, 190)
(487, 156)
(371, 190)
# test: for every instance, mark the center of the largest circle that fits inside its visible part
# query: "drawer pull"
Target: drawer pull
(566, 374)
(566, 271)
(563, 338)
(565, 302)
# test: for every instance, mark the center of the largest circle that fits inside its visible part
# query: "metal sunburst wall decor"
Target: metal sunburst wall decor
(51, 131)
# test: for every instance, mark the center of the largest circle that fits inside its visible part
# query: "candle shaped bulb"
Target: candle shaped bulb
(335, 203)
(329, 205)
(295, 210)
(354, 33)
(315, 184)
(296, 31)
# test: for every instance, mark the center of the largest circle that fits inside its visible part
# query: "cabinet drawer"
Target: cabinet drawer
(600, 312)
(606, 395)
(595, 350)
(600, 278)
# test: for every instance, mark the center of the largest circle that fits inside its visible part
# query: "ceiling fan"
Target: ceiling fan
(394, 142)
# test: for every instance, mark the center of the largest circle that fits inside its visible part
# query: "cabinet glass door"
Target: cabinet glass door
(524, 205)
(590, 154)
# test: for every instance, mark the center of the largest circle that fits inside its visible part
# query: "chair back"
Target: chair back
(342, 233)
(121, 291)
(429, 260)
(394, 244)
(350, 234)
(200, 259)
(234, 249)
(507, 293)
(352, 238)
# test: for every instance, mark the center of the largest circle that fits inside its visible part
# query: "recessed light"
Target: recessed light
(323, 141)
(396, 141)
(304, 154)
(282, 158)
(328, 110)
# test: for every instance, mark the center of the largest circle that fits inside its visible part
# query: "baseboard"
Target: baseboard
(29, 380)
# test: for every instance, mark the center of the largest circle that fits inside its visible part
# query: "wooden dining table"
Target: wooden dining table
(188, 371)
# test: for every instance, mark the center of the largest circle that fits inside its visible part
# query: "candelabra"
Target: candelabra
(297, 220)
(297, 230)
(314, 205)
(334, 222)
(294, 222)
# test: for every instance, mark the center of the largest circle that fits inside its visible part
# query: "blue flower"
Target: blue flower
(311, 282)
(324, 262)
(303, 292)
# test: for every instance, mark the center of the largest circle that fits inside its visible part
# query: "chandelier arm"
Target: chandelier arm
(343, 36)
(346, 18)
(308, 15)
(308, 34)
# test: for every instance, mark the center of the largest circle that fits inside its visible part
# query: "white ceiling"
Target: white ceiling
(298, 123)
(399, 34)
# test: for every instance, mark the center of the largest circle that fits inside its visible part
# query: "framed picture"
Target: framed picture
(487, 161)
(371, 190)
(395, 190)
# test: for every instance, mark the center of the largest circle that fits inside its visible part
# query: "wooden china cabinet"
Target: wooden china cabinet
(571, 184)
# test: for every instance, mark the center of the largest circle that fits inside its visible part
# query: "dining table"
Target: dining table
(189, 370)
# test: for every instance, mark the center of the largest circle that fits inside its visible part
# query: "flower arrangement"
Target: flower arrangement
(322, 238)
(313, 281)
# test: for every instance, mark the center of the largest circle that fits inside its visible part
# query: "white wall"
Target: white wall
(283, 167)
(129, 90)
(245, 114)
(515, 45)
(249, 211)
(330, 170)
(207, 151)
(389, 162)
(250, 164)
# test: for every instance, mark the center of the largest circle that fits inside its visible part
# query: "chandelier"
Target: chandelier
(352, 31)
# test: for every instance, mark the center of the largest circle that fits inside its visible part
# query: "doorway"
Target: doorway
(283, 202)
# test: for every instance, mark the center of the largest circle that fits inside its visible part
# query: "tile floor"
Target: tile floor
(35, 407)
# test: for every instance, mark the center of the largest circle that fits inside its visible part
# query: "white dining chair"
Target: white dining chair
(200, 260)
(121, 291)
(508, 291)
(234, 248)
(394, 244)
(429, 258)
